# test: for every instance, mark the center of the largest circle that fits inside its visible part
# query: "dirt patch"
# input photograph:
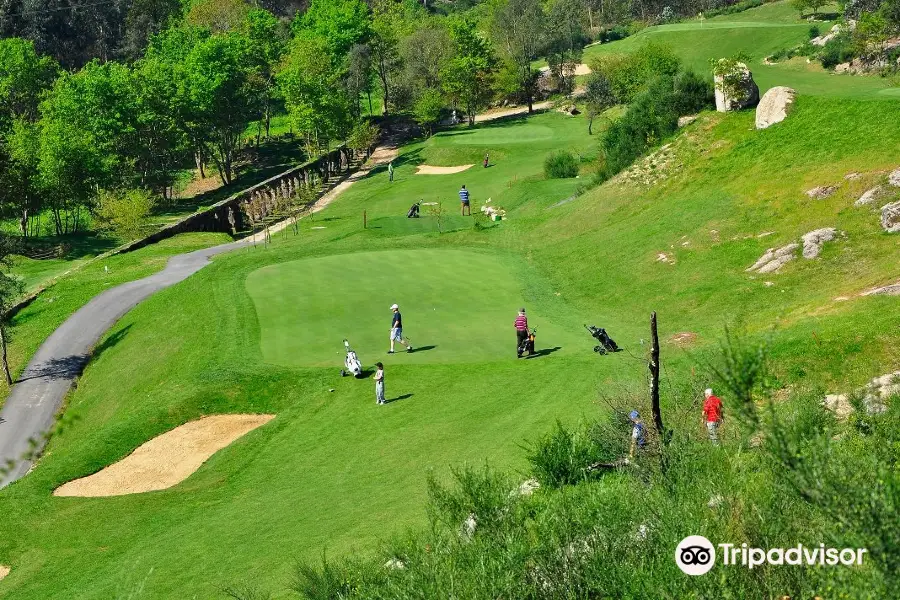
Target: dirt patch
(429, 170)
(4, 571)
(684, 338)
(166, 460)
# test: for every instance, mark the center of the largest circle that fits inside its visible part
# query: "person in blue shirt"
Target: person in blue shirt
(397, 330)
(464, 202)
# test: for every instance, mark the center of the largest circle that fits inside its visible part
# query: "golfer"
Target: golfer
(391, 171)
(712, 415)
(464, 208)
(379, 384)
(397, 330)
(487, 160)
(521, 326)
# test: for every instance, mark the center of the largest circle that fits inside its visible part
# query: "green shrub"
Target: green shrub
(693, 93)
(813, 31)
(123, 212)
(628, 74)
(838, 50)
(560, 165)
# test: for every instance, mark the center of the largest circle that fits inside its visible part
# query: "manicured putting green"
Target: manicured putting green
(457, 306)
(495, 135)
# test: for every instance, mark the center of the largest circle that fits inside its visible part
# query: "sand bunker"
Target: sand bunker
(429, 170)
(165, 460)
(4, 571)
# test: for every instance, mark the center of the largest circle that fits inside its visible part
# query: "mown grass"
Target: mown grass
(260, 330)
(758, 33)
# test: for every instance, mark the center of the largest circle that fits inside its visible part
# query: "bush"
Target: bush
(628, 74)
(560, 165)
(124, 212)
(838, 50)
(692, 93)
(814, 32)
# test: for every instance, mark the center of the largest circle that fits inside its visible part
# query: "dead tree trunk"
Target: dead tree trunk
(654, 376)
(6, 372)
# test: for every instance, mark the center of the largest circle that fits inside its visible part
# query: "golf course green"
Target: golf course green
(260, 330)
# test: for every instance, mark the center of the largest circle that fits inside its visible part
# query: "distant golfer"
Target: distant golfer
(521, 325)
(464, 202)
(637, 432)
(391, 171)
(397, 330)
(487, 159)
(712, 415)
(379, 384)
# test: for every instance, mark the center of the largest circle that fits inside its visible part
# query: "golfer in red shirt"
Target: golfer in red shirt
(712, 415)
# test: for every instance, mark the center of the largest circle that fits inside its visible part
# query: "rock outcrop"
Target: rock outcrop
(890, 217)
(885, 290)
(774, 106)
(874, 396)
(748, 97)
(894, 177)
(774, 259)
(821, 192)
(869, 196)
(812, 241)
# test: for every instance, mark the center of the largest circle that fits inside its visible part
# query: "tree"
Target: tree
(518, 29)
(219, 16)
(24, 76)
(359, 76)
(467, 75)
(10, 289)
(145, 19)
(425, 53)
(267, 47)
(19, 180)
(427, 108)
(314, 95)
(385, 46)
(123, 212)
(341, 23)
(800, 6)
(223, 92)
(598, 97)
(565, 40)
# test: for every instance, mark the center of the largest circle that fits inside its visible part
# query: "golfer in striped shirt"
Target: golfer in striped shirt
(521, 332)
(464, 202)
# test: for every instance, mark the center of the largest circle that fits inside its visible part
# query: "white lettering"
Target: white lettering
(832, 556)
(725, 548)
(848, 556)
(757, 557)
(775, 556)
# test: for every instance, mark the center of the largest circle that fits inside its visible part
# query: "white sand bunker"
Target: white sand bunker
(4, 571)
(166, 460)
(429, 170)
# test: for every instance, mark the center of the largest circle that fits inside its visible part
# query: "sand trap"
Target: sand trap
(165, 460)
(429, 170)
(581, 69)
(4, 571)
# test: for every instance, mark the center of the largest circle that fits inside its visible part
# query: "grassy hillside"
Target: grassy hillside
(260, 331)
(758, 33)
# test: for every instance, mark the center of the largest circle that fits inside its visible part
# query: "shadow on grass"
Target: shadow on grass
(423, 349)
(398, 398)
(544, 352)
(109, 342)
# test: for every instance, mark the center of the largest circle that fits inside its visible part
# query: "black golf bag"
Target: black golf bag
(527, 346)
(413, 211)
(606, 343)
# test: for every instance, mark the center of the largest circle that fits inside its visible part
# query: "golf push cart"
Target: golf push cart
(606, 343)
(527, 346)
(352, 366)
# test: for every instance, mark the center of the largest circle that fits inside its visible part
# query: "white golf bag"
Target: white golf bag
(352, 366)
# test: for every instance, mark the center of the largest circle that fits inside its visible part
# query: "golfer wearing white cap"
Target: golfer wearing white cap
(397, 330)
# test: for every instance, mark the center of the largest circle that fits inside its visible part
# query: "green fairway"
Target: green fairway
(457, 306)
(758, 33)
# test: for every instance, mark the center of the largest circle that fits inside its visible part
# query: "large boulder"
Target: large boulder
(890, 217)
(894, 177)
(812, 241)
(774, 106)
(748, 96)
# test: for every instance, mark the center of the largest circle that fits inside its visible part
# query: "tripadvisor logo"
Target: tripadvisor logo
(696, 555)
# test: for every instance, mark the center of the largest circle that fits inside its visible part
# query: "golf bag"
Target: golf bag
(527, 346)
(352, 366)
(606, 343)
(413, 212)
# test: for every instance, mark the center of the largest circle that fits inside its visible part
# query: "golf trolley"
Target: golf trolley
(352, 366)
(606, 343)
(527, 346)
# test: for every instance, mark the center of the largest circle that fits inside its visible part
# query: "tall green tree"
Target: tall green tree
(518, 28)
(467, 77)
(387, 17)
(341, 23)
(267, 46)
(10, 289)
(565, 40)
(224, 91)
(314, 95)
